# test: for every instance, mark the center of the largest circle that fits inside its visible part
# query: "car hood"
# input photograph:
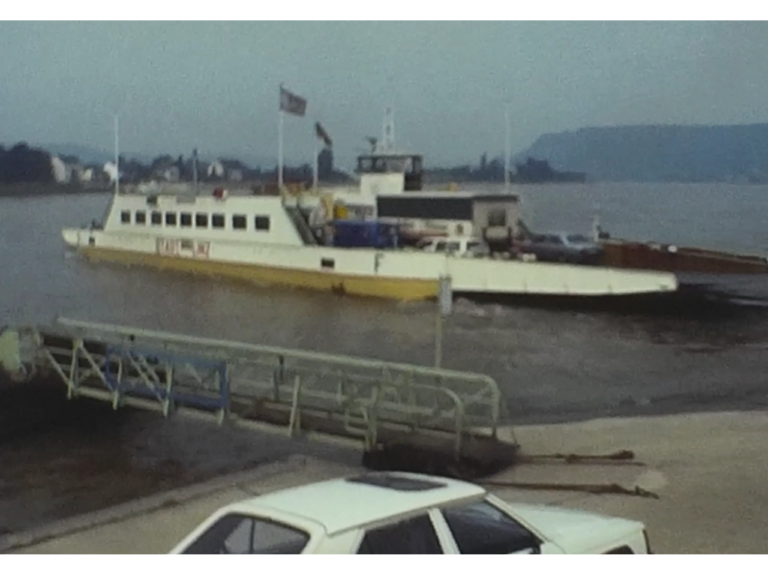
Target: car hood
(575, 531)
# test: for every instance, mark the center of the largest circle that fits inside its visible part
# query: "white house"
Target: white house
(110, 169)
(171, 174)
(60, 173)
(216, 168)
(64, 172)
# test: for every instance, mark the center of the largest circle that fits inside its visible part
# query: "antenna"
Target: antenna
(506, 147)
(388, 131)
(117, 154)
(194, 170)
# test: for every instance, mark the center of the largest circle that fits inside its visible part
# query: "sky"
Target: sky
(215, 85)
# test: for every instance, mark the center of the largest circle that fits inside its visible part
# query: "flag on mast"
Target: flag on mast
(322, 134)
(292, 103)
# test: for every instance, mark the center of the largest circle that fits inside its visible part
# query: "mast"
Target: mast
(117, 154)
(388, 131)
(194, 170)
(506, 147)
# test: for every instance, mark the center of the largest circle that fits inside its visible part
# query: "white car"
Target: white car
(463, 246)
(399, 513)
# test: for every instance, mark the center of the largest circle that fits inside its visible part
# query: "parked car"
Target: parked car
(562, 247)
(454, 245)
(404, 513)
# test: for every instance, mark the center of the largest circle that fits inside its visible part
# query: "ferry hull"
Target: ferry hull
(396, 275)
(404, 289)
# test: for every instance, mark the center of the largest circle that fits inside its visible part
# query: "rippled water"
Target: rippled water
(552, 365)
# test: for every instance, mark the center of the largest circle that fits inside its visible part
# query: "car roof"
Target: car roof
(344, 503)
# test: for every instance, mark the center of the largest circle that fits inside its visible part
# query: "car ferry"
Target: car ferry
(274, 240)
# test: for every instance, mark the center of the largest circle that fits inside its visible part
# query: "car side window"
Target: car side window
(621, 550)
(239, 534)
(413, 536)
(482, 528)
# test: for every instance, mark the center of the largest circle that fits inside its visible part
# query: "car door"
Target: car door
(414, 535)
(481, 527)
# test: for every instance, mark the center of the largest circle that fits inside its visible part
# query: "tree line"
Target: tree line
(24, 164)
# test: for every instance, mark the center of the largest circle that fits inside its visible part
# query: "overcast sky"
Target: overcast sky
(215, 85)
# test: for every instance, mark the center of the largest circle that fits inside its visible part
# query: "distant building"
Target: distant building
(110, 169)
(59, 169)
(230, 170)
(65, 172)
(171, 174)
(216, 169)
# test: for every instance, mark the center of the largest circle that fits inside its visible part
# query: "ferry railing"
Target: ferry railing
(366, 397)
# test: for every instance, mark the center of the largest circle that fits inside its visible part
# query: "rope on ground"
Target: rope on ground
(622, 456)
(589, 488)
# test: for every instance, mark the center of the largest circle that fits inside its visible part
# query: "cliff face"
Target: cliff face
(660, 153)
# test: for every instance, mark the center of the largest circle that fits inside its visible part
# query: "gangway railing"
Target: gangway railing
(377, 402)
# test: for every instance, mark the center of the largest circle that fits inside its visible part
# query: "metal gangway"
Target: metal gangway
(432, 415)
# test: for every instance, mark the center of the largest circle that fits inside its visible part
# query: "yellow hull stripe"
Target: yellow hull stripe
(404, 289)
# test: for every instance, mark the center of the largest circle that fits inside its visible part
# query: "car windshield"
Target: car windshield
(241, 534)
(578, 239)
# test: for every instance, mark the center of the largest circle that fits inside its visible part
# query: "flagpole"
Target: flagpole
(506, 147)
(194, 171)
(280, 129)
(315, 168)
(117, 154)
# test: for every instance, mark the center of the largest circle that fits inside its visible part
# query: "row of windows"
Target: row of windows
(186, 220)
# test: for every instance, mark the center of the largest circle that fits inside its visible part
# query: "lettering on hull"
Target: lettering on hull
(184, 248)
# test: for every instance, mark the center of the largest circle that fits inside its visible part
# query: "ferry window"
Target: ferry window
(261, 223)
(201, 220)
(217, 220)
(440, 246)
(454, 247)
(141, 217)
(239, 222)
(125, 216)
(157, 218)
(170, 218)
(186, 219)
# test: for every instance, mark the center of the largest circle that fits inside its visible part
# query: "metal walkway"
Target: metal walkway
(428, 414)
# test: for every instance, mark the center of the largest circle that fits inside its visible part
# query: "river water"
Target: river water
(552, 365)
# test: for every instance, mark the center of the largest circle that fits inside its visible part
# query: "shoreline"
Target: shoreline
(694, 480)
(154, 478)
(39, 189)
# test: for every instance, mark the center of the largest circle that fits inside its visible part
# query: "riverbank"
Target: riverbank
(707, 470)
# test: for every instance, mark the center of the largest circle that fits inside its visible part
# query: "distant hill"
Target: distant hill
(660, 153)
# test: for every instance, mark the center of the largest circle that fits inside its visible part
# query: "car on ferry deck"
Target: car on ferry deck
(562, 247)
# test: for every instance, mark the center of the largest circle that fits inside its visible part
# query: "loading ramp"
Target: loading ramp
(401, 415)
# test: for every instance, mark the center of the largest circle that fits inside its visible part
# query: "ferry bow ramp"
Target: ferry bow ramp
(402, 416)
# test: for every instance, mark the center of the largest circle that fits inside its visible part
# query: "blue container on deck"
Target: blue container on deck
(364, 234)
